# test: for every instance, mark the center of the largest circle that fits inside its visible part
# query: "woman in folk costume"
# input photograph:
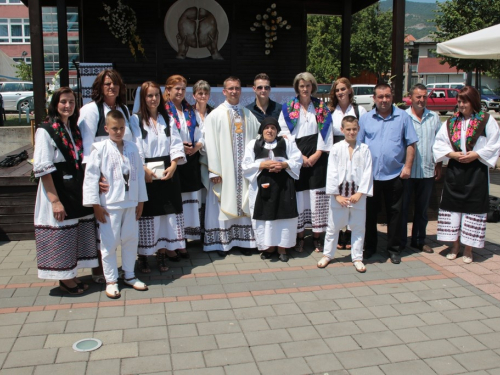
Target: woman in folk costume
(272, 164)
(306, 120)
(65, 231)
(342, 104)
(470, 140)
(161, 227)
(183, 118)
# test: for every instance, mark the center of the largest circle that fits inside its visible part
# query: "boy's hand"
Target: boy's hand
(100, 213)
(138, 210)
(355, 198)
(103, 185)
(169, 172)
(343, 201)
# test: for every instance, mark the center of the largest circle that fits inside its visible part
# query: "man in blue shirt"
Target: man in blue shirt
(423, 171)
(263, 107)
(390, 136)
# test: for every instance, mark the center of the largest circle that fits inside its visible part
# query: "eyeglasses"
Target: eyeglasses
(267, 88)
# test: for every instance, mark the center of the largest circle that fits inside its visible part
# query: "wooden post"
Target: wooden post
(398, 38)
(345, 47)
(62, 39)
(37, 65)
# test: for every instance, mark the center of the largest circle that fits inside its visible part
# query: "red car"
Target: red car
(440, 100)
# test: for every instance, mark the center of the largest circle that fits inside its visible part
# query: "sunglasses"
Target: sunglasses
(267, 88)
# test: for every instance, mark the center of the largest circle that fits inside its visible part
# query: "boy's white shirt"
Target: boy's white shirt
(361, 164)
(105, 159)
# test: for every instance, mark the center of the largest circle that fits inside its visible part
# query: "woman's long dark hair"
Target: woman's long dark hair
(143, 107)
(116, 78)
(53, 114)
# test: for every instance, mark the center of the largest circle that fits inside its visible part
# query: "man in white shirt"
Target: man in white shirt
(423, 172)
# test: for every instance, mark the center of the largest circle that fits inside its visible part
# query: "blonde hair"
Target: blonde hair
(308, 77)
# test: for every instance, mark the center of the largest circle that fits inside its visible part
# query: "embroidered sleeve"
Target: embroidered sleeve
(44, 154)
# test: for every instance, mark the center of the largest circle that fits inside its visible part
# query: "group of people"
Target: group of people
(249, 177)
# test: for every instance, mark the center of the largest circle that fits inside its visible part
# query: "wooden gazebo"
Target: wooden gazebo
(243, 53)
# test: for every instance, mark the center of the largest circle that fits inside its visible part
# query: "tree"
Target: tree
(455, 18)
(23, 71)
(370, 44)
(323, 45)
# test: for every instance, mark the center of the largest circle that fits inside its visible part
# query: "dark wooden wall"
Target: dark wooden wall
(243, 52)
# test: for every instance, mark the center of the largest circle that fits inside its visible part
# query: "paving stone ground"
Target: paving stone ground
(243, 315)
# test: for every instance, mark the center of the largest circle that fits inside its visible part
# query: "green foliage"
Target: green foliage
(323, 46)
(455, 18)
(23, 71)
(370, 44)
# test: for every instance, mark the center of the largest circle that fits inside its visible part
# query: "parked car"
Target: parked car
(363, 95)
(489, 99)
(440, 100)
(16, 94)
(323, 91)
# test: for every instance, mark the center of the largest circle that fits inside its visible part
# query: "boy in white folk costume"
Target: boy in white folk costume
(119, 209)
(271, 165)
(349, 181)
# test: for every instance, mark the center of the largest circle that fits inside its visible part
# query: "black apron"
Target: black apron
(466, 188)
(315, 177)
(190, 174)
(164, 197)
(68, 180)
(466, 185)
(279, 200)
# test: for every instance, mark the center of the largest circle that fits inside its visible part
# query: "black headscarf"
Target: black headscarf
(269, 121)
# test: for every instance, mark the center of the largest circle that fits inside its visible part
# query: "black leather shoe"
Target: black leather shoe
(174, 259)
(283, 257)
(221, 253)
(266, 255)
(246, 252)
(183, 255)
(368, 253)
(395, 258)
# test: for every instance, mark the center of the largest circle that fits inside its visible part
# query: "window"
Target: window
(51, 52)
(14, 30)
(27, 60)
(49, 19)
(431, 52)
(14, 2)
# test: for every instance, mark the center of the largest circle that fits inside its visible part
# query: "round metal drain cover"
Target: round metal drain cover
(87, 345)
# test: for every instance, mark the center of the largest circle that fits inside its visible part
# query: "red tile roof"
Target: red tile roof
(432, 65)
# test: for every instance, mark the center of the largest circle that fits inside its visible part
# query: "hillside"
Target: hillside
(419, 16)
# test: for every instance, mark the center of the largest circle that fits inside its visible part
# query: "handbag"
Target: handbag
(157, 167)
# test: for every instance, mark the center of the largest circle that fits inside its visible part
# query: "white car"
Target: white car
(363, 95)
(16, 95)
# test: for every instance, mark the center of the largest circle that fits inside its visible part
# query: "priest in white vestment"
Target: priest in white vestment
(228, 129)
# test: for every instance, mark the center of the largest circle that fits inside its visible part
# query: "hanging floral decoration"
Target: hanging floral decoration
(270, 22)
(122, 23)
(52, 87)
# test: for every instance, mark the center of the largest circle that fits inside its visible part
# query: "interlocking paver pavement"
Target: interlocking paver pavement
(242, 315)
